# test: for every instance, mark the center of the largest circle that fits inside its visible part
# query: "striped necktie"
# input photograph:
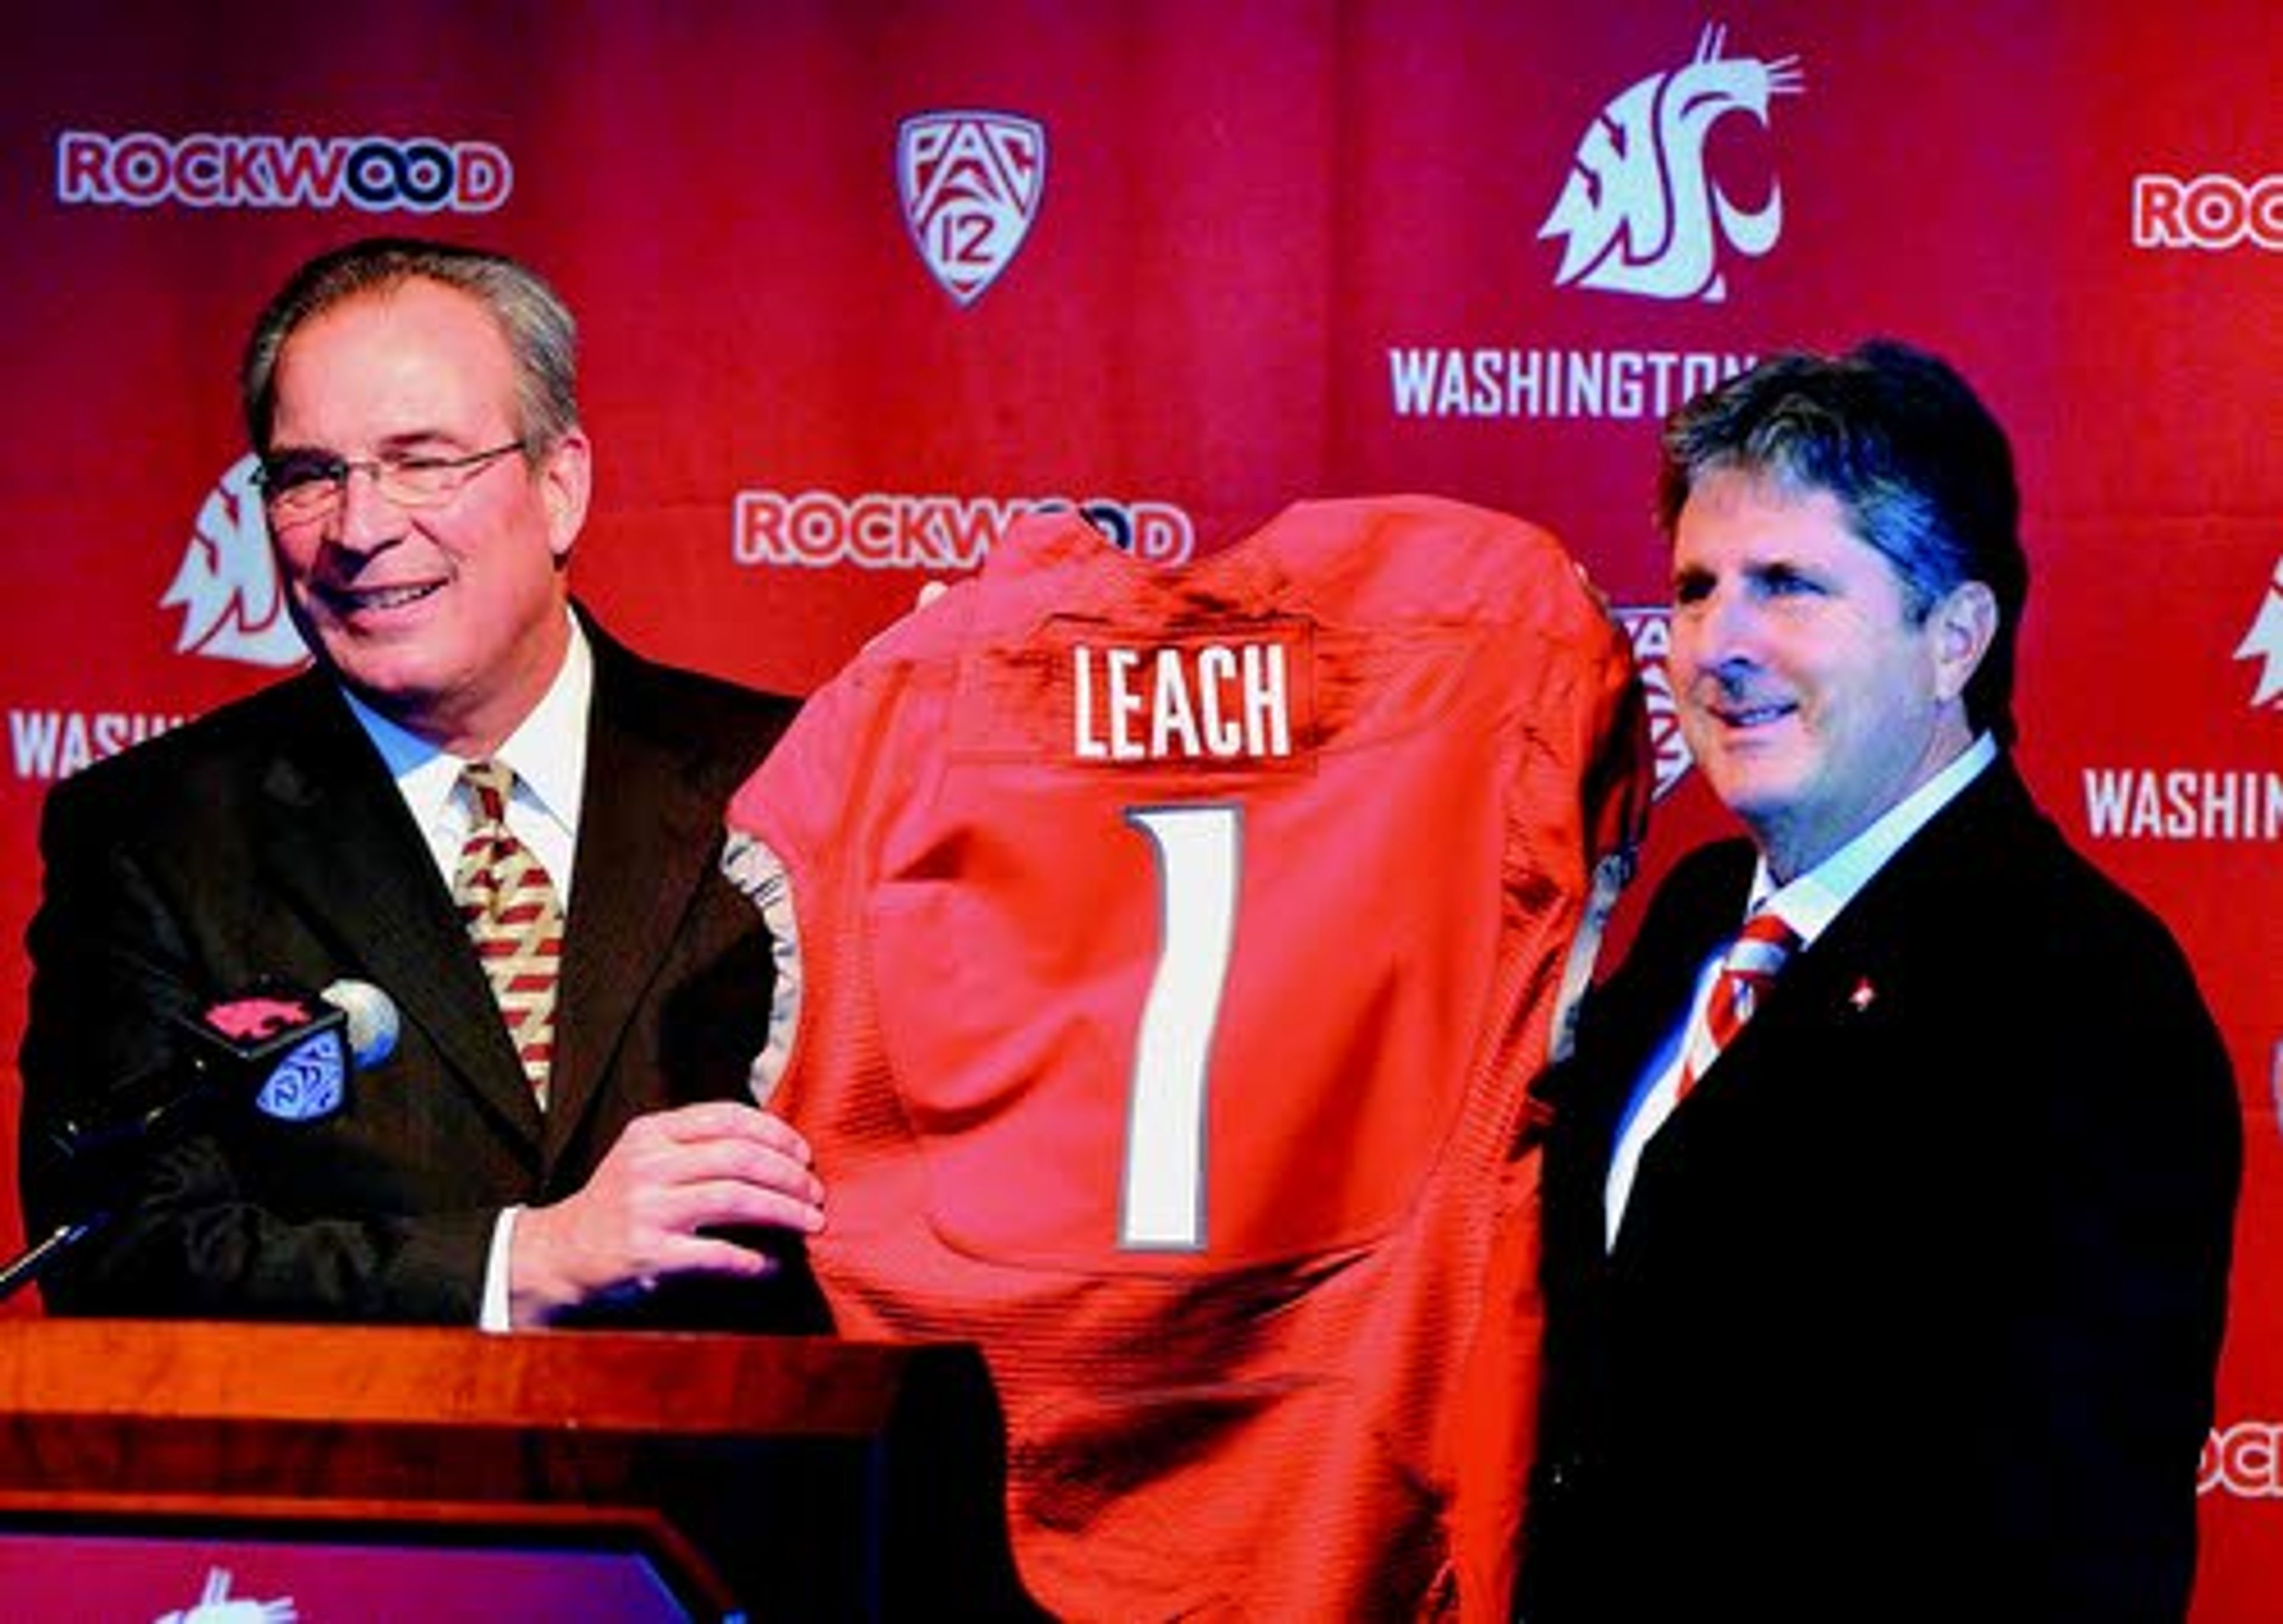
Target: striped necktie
(513, 918)
(1751, 966)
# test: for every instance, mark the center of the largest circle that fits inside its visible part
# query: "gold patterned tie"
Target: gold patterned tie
(1750, 967)
(513, 918)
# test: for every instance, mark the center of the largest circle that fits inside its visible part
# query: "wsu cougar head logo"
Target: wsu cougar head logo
(2264, 642)
(233, 608)
(215, 1606)
(1639, 213)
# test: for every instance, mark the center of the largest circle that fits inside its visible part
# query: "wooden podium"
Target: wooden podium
(717, 1477)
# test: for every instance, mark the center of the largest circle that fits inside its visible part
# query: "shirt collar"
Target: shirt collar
(1811, 901)
(548, 749)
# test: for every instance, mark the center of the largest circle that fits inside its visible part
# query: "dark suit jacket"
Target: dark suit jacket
(266, 839)
(1916, 1304)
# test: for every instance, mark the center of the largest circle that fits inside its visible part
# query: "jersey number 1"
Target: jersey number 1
(1162, 1207)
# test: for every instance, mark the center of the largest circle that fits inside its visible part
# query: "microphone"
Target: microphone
(287, 1052)
(373, 1022)
(290, 1052)
(293, 1051)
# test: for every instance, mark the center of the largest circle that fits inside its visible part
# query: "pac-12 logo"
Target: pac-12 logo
(233, 607)
(971, 184)
(1639, 213)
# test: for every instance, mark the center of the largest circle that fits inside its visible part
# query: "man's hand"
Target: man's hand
(672, 1174)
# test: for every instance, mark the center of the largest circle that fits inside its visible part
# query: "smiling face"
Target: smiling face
(450, 619)
(1811, 697)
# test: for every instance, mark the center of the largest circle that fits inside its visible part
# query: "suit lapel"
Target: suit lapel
(1898, 931)
(648, 836)
(1910, 922)
(1701, 904)
(339, 840)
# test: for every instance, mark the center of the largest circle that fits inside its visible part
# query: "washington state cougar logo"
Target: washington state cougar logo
(217, 1605)
(1639, 213)
(971, 184)
(233, 606)
(2264, 642)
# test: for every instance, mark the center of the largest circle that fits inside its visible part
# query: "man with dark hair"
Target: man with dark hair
(478, 801)
(1889, 1192)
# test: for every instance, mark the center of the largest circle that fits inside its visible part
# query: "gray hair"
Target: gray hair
(541, 335)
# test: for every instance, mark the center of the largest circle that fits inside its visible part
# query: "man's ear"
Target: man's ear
(567, 479)
(1965, 624)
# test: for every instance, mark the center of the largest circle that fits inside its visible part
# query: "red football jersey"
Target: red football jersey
(1174, 945)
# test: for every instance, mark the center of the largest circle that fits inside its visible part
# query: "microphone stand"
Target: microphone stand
(108, 1153)
(33, 1260)
(143, 1132)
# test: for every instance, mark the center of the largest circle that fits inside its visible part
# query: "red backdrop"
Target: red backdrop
(858, 281)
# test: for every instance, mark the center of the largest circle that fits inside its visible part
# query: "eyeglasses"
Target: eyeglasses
(298, 487)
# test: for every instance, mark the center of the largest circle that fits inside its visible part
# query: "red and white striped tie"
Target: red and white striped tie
(513, 918)
(1753, 961)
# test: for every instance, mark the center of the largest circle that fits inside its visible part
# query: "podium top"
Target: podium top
(658, 1383)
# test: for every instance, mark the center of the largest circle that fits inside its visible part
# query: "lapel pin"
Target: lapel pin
(1863, 995)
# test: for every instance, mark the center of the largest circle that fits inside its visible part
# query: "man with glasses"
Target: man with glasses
(473, 775)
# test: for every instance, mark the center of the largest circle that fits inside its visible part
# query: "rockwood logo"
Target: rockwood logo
(418, 174)
(1639, 213)
(2265, 643)
(226, 587)
(971, 184)
(1651, 631)
(882, 531)
(2244, 1460)
(2213, 213)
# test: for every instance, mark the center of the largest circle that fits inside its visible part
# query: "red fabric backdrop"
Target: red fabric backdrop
(859, 280)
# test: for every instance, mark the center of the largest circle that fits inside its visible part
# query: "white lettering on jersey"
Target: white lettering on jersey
(1215, 701)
